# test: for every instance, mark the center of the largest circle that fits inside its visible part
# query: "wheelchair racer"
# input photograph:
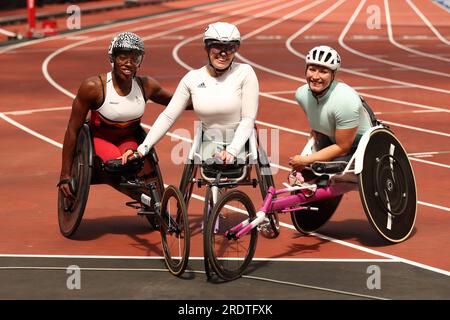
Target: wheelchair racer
(334, 110)
(116, 101)
(224, 96)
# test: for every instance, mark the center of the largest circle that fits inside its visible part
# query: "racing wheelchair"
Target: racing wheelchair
(379, 169)
(141, 180)
(219, 177)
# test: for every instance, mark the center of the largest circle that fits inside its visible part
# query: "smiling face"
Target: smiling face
(318, 78)
(221, 55)
(126, 63)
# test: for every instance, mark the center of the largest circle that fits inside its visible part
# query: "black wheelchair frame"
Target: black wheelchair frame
(221, 177)
(139, 179)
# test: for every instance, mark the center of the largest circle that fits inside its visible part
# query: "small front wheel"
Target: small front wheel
(229, 256)
(175, 233)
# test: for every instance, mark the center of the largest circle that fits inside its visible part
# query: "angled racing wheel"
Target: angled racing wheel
(387, 186)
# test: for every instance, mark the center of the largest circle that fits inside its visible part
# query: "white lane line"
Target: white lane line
(399, 45)
(406, 103)
(272, 95)
(281, 92)
(59, 256)
(28, 130)
(365, 75)
(429, 153)
(314, 287)
(103, 27)
(153, 25)
(3, 115)
(295, 78)
(341, 42)
(374, 252)
(379, 87)
(429, 162)
(198, 36)
(285, 129)
(347, 244)
(434, 206)
(288, 283)
(208, 20)
(31, 111)
(383, 61)
(427, 22)
(415, 128)
(7, 33)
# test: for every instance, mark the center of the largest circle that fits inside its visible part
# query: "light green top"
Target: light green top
(339, 108)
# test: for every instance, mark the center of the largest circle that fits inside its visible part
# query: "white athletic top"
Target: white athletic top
(121, 109)
(224, 104)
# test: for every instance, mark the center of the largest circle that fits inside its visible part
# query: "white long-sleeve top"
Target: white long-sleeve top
(228, 103)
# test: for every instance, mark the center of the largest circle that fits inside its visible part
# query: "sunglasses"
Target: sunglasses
(135, 59)
(217, 48)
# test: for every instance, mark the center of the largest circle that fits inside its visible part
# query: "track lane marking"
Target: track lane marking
(401, 46)
(384, 61)
(427, 22)
(344, 243)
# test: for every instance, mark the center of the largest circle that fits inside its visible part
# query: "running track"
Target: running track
(401, 68)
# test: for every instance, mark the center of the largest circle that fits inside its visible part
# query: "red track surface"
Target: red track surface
(29, 166)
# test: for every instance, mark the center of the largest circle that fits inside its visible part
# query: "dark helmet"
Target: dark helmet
(125, 41)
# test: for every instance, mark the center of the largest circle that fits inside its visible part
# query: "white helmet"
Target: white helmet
(222, 32)
(324, 56)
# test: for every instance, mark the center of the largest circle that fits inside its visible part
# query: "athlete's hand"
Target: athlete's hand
(299, 162)
(226, 157)
(64, 187)
(129, 155)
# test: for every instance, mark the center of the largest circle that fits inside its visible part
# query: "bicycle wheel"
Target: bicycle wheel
(175, 233)
(71, 213)
(271, 229)
(229, 257)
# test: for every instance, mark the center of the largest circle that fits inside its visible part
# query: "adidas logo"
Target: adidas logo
(201, 85)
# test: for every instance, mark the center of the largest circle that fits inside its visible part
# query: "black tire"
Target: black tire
(265, 180)
(387, 187)
(175, 233)
(151, 161)
(219, 247)
(70, 213)
(207, 212)
(186, 183)
(307, 221)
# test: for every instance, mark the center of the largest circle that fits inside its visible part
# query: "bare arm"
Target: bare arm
(344, 142)
(89, 94)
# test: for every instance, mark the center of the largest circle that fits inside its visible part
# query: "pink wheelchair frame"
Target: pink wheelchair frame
(379, 170)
